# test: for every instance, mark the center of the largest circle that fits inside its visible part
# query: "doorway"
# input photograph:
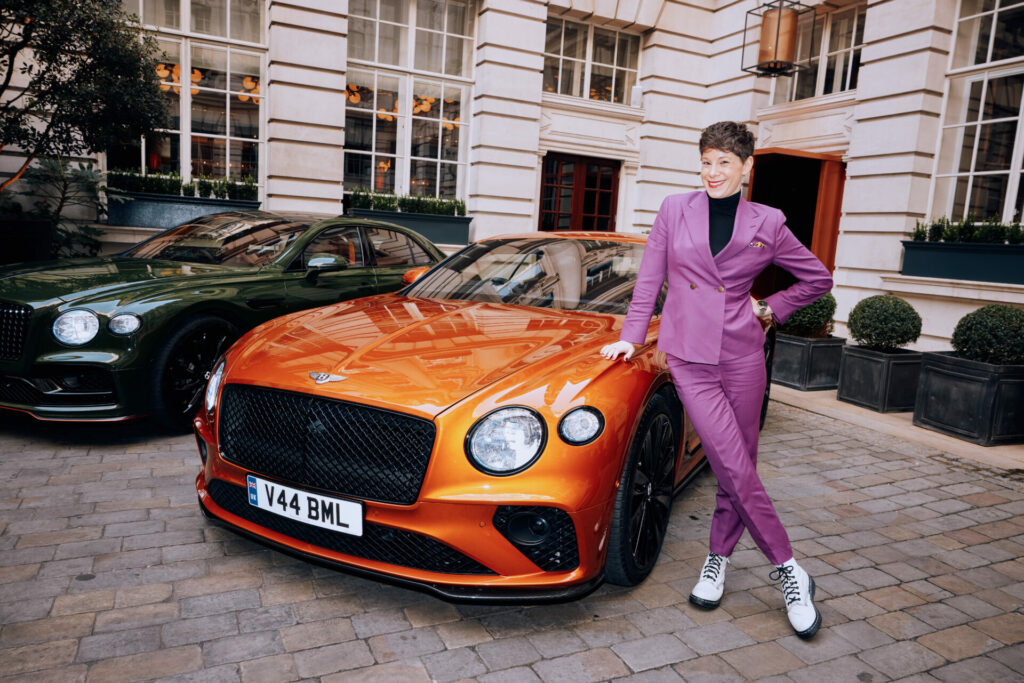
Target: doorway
(578, 193)
(808, 188)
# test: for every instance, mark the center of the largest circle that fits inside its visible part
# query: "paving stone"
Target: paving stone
(709, 669)
(454, 664)
(462, 634)
(959, 643)
(901, 659)
(317, 634)
(332, 658)
(762, 660)
(606, 632)
(38, 656)
(598, 664)
(653, 652)
(167, 662)
(241, 648)
(1007, 628)
(827, 644)
(840, 670)
(119, 643)
(199, 629)
(977, 669)
(507, 653)
(660, 620)
(714, 638)
(938, 615)
(556, 643)
(520, 674)
(900, 625)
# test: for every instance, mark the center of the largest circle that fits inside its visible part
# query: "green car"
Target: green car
(116, 337)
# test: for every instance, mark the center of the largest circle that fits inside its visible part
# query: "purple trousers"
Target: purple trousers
(724, 404)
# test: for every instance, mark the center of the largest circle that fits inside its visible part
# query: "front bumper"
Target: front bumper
(72, 392)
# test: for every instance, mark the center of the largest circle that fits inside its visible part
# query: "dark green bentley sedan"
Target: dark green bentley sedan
(116, 337)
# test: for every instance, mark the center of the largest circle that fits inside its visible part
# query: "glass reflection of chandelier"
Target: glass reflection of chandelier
(250, 88)
(173, 74)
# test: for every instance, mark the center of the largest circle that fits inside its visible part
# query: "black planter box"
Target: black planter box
(807, 364)
(974, 401)
(882, 381)
(437, 229)
(151, 210)
(965, 261)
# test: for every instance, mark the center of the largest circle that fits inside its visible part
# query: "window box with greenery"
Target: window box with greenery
(879, 374)
(806, 354)
(989, 251)
(442, 221)
(976, 392)
(159, 200)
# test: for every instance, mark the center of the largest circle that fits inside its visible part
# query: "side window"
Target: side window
(392, 248)
(340, 243)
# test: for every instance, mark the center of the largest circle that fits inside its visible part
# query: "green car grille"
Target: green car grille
(13, 328)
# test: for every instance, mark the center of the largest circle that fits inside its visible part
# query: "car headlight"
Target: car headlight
(581, 425)
(75, 328)
(213, 387)
(506, 441)
(124, 323)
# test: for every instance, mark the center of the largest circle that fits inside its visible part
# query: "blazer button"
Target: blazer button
(721, 289)
(693, 285)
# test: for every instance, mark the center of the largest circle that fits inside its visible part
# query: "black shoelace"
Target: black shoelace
(790, 587)
(713, 567)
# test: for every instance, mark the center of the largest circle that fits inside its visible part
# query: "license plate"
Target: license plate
(345, 516)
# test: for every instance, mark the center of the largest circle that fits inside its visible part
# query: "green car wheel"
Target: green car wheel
(184, 364)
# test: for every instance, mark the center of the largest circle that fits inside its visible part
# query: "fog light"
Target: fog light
(528, 528)
(202, 448)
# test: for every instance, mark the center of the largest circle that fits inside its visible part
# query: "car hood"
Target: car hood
(419, 355)
(38, 284)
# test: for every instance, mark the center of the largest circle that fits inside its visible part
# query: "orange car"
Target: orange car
(462, 435)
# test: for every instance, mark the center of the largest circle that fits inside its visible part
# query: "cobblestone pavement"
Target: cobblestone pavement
(109, 572)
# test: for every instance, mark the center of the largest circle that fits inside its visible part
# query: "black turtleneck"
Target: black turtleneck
(721, 218)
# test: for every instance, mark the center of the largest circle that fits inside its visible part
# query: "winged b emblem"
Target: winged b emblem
(325, 377)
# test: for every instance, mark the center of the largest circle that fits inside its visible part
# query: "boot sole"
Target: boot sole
(702, 603)
(809, 632)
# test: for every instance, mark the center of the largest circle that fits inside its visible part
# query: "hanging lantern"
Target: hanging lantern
(778, 50)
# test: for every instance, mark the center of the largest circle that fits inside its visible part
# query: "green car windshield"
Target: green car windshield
(567, 274)
(222, 240)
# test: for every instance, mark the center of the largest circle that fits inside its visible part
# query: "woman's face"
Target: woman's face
(722, 172)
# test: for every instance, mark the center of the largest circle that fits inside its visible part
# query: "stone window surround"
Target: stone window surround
(588, 59)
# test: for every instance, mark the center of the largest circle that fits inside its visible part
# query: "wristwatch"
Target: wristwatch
(763, 309)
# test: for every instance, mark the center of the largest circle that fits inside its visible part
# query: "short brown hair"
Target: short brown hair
(728, 136)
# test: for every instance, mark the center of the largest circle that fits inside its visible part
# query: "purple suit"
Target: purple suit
(714, 344)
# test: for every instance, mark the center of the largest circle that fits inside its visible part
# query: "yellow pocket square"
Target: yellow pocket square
(757, 245)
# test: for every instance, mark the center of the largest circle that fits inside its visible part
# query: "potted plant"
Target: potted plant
(879, 374)
(161, 200)
(442, 221)
(806, 354)
(976, 392)
(988, 251)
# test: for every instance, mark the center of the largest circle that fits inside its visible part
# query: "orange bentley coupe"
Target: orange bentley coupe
(463, 435)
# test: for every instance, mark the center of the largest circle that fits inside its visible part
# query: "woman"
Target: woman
(711, 245)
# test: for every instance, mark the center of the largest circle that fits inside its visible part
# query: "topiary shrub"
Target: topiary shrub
(884, 322)
(992, 334)
(813, 320)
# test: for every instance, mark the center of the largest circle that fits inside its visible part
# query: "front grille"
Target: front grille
(378, 542)
(320, 443)
(553, 551)
(70, 386)
(13, 328)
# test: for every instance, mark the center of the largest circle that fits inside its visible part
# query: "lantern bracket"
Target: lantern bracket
(779, 50)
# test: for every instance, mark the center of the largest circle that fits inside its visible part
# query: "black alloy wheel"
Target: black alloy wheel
(644, 499)
(184, 364)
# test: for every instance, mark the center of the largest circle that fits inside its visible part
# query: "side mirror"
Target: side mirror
(412, 275)
(324, 263)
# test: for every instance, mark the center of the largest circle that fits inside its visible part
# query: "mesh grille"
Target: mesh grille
(379, 543)
(13, 327)
(325, 444)
(556, 551)
(75, 387)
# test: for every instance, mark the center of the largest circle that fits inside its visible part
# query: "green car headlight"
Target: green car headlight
(124, 323)
(75, 328)
(213, 387)
(506, 441)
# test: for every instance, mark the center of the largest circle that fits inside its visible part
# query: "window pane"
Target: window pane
(943, 197)
(450, 141)
(449, 181)
(357, 169)
(359, 90)
(452, 106)
(423, 177)
(604, 203)
(601, 83)
(960, 199)
(168, 69)
(571, 82)
(244, 160)
(987, 194)
(628, 50)
(425, 136)
(246, 20)
(387, 94)
(1020, 200)
(173, 105)
(165, 13)
(1009, 39)
(604, 47)
(125, 155)
(574, 44)
(364, 8)
(359, 130)
(1003, 97)
(212, 67)
(208, 113)
(426, 100)
(209, 156)
(967, 149)
(210, 16)
(553, 37)
(972, 41)
(970, 7)
(783, 87)
(995, 145)
(386, 138)
(805, 81)
(361, 37)
(456, 55)
(624, 81)
(841, 35)
(245, 118)
(395, 10)
(428, 50)
(392, 45)
(245, 73)
(854, 69)
(551, 74)
(459, 18)
(835, 73)
(389, 247)
(430, 14)
(384, 174)
(163, 154)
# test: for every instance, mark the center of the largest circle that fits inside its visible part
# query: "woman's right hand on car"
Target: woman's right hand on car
(612, 351)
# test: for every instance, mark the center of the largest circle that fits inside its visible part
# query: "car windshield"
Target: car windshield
(569, 274)
(229, 240)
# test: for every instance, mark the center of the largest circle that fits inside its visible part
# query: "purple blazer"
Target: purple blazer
(707, 316)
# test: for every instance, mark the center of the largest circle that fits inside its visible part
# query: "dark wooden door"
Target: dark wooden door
(578, 193)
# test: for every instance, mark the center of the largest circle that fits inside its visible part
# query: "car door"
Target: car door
(332, 267)
(393, 253)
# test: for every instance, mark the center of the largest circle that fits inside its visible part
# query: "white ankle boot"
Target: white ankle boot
(798, 589)
(708, 591)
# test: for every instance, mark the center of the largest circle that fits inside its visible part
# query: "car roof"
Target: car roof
(631, 237)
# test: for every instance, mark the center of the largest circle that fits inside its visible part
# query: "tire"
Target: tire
(769, 355)
(182, 366)
(644, 499)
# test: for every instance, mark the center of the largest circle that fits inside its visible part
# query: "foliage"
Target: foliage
(989, 231)
(244, 190)
(920, 232)
(58, 188)
(884, 322)
(75, 77)
(170, 183)
(991, 334)
(364, 199)
(204, 186)
(188, 189)
(814, 319)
